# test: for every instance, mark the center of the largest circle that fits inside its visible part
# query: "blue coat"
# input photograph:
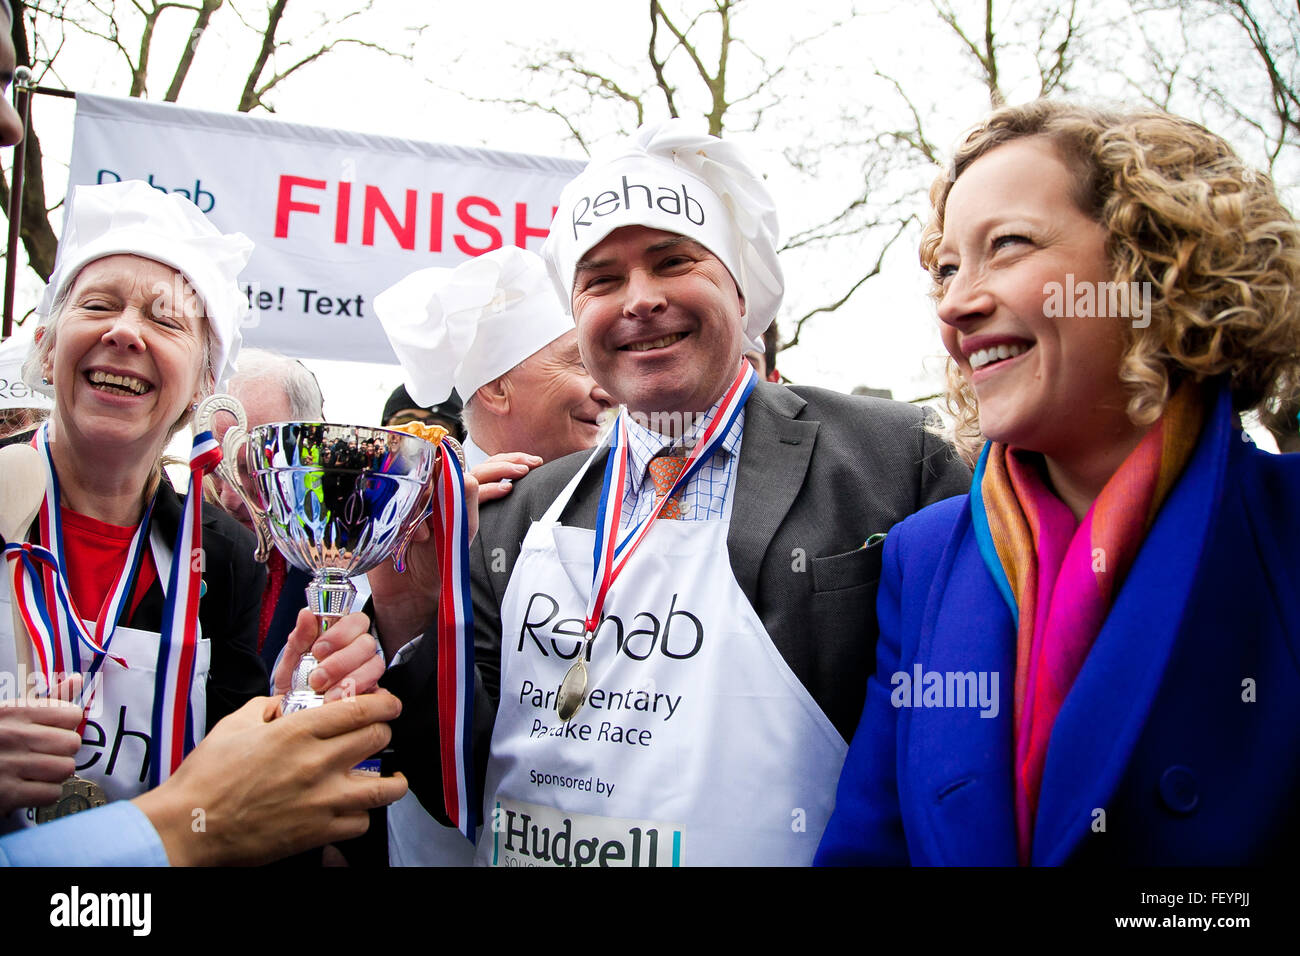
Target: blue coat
(1179, 742)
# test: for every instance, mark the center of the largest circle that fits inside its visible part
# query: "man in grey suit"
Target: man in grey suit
(726, 669)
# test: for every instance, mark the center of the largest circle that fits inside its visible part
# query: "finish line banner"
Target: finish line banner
(337, 217)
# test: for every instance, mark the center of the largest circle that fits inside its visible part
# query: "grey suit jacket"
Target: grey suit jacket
(819, 473)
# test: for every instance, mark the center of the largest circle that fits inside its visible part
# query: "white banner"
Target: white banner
(337, 217)
(14, 392)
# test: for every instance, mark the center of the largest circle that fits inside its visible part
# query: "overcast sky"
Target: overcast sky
(885, 337)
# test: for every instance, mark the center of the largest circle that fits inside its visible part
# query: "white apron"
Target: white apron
(118, 734)
(696, 745)
(415, 838)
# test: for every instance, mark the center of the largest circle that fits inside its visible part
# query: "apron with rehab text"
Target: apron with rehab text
(697, 745)
(116, 742)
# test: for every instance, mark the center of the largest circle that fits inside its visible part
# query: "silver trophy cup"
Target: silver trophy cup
(336, 500)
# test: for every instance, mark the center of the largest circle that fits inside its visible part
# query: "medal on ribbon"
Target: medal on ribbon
(610, 555)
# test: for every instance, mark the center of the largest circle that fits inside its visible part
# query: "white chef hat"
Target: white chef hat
(465, 327)
(668, 176)
(134, 218)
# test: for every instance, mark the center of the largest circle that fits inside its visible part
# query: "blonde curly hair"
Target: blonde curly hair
(1183, 213)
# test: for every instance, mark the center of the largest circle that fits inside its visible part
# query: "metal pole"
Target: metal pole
(23, 106)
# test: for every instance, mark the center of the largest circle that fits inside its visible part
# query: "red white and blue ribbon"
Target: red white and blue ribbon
(58, 631)
(610, 555)
(173, 724)
(455, 646)
(44, 600)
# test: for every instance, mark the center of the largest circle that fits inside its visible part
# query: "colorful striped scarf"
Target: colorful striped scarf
(1060, 577)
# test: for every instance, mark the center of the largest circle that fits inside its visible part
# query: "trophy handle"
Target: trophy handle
(430, 490)
(232, 446)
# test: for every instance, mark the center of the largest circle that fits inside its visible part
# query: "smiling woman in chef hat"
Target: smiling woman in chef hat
(139, 321)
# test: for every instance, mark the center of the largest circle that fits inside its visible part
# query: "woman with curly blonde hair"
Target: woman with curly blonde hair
(1093, 655)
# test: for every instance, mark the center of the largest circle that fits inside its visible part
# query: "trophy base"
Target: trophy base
(300, 700)
(329, 596)
(301, 696)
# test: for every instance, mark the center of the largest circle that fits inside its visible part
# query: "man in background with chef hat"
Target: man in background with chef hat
(493, 330)
(696, 709)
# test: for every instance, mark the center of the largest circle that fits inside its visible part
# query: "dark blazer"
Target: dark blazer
(292, 599)
(228, 608)
(819, 473)
(1179, 742)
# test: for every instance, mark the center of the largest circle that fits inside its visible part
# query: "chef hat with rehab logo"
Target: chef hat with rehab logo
(134, 218)
(671, 177)
(465, 327)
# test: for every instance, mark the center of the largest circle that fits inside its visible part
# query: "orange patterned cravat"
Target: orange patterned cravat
(664, 469)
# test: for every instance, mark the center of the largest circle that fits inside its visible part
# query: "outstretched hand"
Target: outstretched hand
(259, 788)
(496, 476)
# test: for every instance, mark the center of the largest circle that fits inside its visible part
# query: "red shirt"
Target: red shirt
(95, 553)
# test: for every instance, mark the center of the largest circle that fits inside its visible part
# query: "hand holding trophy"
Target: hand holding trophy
(336, 500)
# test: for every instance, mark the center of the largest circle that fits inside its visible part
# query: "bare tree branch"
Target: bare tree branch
(989, 61)
(129, 28)
(915, 137)
(248, 99)
(1053, 76)
(986, 56)
(607, 85)
(37, 234)
(1286, 98)
(256, 89)
(313, 57)
(187, 54)
(522, 104)
(832, 306)
(656, 64)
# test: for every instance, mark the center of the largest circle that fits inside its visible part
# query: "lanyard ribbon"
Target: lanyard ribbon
(610, 555)
(57, 630)
(35, 561)
(173, 725)
(455, 645)
(45, 601)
